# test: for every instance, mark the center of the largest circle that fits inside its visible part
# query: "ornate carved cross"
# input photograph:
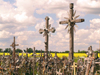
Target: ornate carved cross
(71, 22)
(13, 45)
(46, 31)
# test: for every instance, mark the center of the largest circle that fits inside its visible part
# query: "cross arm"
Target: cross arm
(52, 30)
(78, 20)
(17, 44)
(12, 45)
(63, 22)
(41, 31)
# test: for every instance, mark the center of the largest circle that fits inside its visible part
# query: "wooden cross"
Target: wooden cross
(46, 31)
(10, 69)
(74, 66)
(13, 45)
(59, 73)
(71, 22)
(49, 72)
(96, 73)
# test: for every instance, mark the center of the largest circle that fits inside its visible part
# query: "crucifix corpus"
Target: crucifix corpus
(46, 31)
(71, 22)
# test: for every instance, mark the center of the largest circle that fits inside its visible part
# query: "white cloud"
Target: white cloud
(88, 6)
(15, 22)
(5, 34)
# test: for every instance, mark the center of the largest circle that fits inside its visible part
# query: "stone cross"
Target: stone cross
(13, 45)
(74, 66)
(46, 31)
(71, 22)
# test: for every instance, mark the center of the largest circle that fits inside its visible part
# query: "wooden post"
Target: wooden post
(71, 22)
(13, 46)
(34, 61)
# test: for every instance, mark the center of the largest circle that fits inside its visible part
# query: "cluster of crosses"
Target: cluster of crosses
(45, 64)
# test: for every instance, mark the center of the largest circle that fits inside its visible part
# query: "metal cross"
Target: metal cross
(71, 22)
(46, 31)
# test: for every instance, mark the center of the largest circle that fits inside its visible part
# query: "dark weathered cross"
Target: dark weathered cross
(34, 60)
(46, 31)
(13, 45)
(71, 22)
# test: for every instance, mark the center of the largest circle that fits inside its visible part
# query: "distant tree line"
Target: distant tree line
(30, 50)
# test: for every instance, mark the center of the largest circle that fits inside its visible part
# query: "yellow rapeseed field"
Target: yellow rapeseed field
(53, 54)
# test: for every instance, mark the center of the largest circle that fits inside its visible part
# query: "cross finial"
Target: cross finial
(71, 5)
(46, 18)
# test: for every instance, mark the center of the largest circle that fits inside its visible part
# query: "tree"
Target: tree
(8, 50)
(1, 50)
(78, 51)
(66, 52)
(30, 50)
(18, 50)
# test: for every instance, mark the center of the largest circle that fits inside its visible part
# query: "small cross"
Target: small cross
(96, 73)
(74, 66)
(59, 73)
(13, 45)
(49, 72)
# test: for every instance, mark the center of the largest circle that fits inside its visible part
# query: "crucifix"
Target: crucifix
(13, 45)
(46, 31)
(71, 22)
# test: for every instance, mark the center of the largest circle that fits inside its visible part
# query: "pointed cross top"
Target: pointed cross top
(46, 18)
(13, 44)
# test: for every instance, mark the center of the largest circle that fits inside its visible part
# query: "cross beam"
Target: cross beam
(71, 22)
(46, 31)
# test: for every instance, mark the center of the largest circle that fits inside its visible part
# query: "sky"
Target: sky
(24, 18)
